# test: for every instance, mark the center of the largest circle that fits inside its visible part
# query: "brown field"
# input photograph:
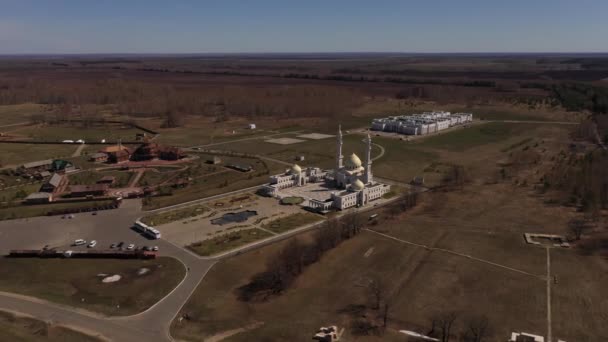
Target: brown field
(23, 328)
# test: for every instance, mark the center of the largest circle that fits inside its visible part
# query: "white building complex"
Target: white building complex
(420, 124)
(350, 184)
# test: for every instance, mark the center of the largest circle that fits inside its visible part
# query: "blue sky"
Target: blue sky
(130, 26)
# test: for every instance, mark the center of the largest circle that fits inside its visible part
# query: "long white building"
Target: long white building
(352, 181)
(420, 124)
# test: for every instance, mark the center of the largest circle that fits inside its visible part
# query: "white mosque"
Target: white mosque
(351, 183)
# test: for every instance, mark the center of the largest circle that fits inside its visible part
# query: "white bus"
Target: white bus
(153, 233)
(147, 230)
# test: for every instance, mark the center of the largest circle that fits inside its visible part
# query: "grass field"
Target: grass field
(26, 329)
(290, 222)
(11, 114)
(215, 184)
(174, 215)
(228, 241)
(17, 154)
(23, 211)
(75, 282)
(91, 177)
(467, 138)
(110, 132)
(420, 283)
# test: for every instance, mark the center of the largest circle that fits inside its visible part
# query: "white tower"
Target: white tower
(339, 156)
(368, 178)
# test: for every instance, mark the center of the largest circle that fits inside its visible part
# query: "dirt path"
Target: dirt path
(136, 178)
(78, 150)
(456, 253)
(224, 335)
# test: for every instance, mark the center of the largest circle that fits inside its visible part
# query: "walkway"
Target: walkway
(78, 151)
(443, 250)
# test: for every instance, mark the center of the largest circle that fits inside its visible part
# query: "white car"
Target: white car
(131, 247)
(155, 248)
(92, 244)
(80, 242)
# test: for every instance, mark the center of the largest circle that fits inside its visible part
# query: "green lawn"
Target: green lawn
(228, 241)
(91, 177)
(290, 222)
(111, 133)
(23, 211)
(75, 282)
(174, 215)
(470, 137)
(215, 184)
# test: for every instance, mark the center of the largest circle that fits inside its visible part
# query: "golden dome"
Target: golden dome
(358, 185)
(296, 169)
(354, 161)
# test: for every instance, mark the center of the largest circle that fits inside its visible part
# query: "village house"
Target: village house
(39, 198)
(89, 190)
(109, 180)
(56, 184)
(99, 157)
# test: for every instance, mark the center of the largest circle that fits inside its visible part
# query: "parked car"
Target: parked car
(92, 244)
(79, 242)
(120, 244)
(113, 245)
(45, 248)
(131, 247)
(94, 213)
(146, 248)
(155, 248)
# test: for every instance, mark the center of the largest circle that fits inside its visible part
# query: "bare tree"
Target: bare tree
(577, 227)
(375, 288)
(478, 329)
(444, 322)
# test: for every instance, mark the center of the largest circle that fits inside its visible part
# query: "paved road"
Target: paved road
(106, 227)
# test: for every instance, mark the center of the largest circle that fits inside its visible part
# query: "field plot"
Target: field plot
(229, 241)
(78, 282)
(23, 211)
(24, 328)
(481, 266)
(90, 177)
(95, 133)
(17, 154)
(290, 222)
(12, 114)
(175, 215)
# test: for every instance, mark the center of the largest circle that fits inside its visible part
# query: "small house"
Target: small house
(214, 161)
(39, 198)
(99, 157)
(57, 184)
(240, 167)
(109, 180)
(88, 190)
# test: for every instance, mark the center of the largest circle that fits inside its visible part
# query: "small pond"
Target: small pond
(228, 218)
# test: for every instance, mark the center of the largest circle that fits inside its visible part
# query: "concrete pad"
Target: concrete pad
(284, 141)
(316, 136)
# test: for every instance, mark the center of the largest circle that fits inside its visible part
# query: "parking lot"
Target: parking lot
(106, 227)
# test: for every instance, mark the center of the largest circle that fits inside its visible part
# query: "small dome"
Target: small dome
(296, 169)
(358, 185)
(354, 161)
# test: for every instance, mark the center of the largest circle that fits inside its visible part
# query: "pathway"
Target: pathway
(454, 253)
(245, 139)
(135, 179)
(78, 150)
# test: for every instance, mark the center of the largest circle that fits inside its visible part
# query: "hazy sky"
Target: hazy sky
(151, 26)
